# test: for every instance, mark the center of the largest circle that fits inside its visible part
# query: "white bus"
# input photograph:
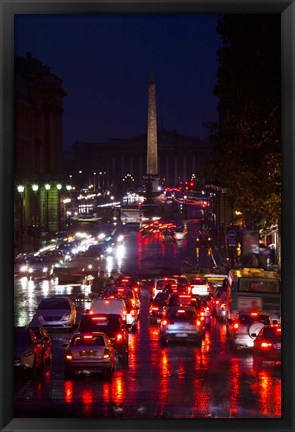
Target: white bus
(253, 289)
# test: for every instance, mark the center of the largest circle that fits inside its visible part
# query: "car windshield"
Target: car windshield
(198, 281)
(164, 283)
(271, 333)
(182, 314)
(88, 340)
(53, 304)
(250, 319)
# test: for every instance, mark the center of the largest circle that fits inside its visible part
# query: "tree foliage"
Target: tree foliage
(247, 145)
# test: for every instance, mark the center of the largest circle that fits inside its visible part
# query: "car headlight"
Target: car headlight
(24, 268)
(66, 317)
(30, 270)
(45, 269)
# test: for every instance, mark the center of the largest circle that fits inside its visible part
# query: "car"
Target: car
(164, 283)
(108, 306)
(157, 306)
(130, 281)
(39, 268)
(28, 351)
(92, 352)
(181, 324)
(218, 303)
(131, 300)
(203, 239)
(113, 326)
(199, 285)
(241, 330)
(55, 312)
(268, 344)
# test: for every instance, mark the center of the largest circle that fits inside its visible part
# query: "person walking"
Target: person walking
(99, 283)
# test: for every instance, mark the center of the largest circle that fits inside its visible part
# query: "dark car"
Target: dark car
(268, 344)
(158, 305)
(181, 324)
(113, 326)
(28, 351)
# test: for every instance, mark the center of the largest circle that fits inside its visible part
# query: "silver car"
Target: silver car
(58, 311)
(181, 323)
(241, 330)
(89, 352)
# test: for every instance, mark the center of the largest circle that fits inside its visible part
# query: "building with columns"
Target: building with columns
(38, 148)
(179, 156)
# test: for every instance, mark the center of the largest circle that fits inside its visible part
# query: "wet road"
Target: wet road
(178, 381)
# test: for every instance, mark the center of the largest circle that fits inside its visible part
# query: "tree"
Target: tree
(247, 146)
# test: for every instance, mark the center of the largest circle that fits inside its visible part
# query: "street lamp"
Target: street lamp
(47, 187)
(58, 187)
(21, 189)
(35, 188)
(94, 181)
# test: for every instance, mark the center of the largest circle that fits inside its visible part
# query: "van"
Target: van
(108, 306)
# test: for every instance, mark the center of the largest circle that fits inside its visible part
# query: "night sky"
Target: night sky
(105, 62)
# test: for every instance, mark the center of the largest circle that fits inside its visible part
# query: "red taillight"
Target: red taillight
(254, 314)
(87, 337)
(106, 354)
(236, 325)
(119, 337)
(217, 302)
(208, 288)
(181, 311)
(91, 312)
(265, 345)
(155, 308)
(99, 318)
(164, 322)
(198, 322)
(69, 355)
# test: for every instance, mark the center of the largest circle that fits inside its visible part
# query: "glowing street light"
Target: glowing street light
(47, 187)
(20, 189)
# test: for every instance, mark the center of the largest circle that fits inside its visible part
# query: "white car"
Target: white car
(58, 311)
(199, 286)
(108, 306)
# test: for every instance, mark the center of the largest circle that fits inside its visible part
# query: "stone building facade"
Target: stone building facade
(179, 156)
(38, 147)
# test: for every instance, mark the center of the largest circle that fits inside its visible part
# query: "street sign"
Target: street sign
(231, 237)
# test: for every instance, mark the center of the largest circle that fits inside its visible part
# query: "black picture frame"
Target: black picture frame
(8, 9)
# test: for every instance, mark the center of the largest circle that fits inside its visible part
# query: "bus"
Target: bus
(253, 289)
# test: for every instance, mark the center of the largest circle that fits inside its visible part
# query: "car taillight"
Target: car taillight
(154, 291)
(69, 355)
(133, 312)
(155, 308)
(119, 337)
(87, 337)
(198, 322)
(217, 302)
(106, 354)
(208, 288)
(236, 325)
(265, 345)
(164, 322)
(133, 302)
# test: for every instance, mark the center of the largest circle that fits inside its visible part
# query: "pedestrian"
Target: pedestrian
(99, 283)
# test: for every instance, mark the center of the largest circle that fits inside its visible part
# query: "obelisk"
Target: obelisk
(152, 143)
